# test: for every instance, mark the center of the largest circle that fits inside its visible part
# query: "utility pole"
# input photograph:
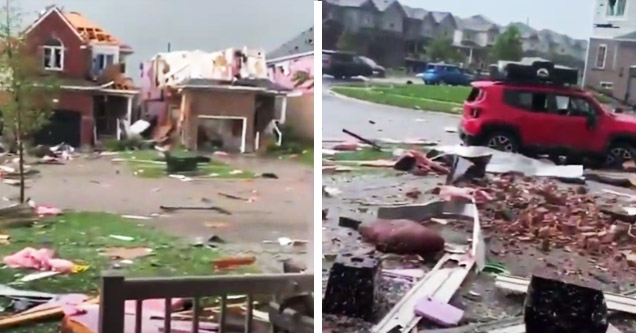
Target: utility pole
(169, 47)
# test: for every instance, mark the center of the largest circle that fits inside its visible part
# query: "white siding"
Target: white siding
(625, 23)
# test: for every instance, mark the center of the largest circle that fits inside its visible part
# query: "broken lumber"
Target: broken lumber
(214, 208)
(439, 284)
(367, 141)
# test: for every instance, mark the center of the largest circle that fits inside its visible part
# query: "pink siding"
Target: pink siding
(283, 72)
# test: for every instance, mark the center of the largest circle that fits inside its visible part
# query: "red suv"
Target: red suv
(544, 118)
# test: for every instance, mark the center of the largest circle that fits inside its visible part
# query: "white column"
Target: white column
(243, 136)
(283, 110)
(470, 57)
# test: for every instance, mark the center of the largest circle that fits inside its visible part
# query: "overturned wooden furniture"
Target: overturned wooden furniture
(116, 290)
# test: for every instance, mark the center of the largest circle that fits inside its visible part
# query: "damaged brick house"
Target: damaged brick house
(218, 100)
(96, 99)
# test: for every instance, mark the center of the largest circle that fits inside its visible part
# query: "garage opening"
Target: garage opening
(63, 126)
(222, 132)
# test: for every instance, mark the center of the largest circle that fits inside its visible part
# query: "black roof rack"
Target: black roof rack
(533, 71)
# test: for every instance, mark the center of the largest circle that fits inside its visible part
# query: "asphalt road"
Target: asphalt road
(389, 122)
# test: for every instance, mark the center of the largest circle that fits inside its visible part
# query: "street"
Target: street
(390, 122)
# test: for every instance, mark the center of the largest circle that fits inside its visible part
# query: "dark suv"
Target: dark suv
(344, 65)
(546, 118)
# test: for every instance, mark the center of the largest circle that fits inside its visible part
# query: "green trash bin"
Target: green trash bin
(181, 162)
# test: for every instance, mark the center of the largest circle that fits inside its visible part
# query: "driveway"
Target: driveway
(281, 207)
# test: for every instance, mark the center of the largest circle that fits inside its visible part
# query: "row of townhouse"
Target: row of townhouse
(400, 30)
(99, 102)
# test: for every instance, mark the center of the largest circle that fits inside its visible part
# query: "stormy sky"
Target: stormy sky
(570, 17)
(149, 25)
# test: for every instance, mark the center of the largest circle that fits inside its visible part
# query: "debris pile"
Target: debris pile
(527, 210)
(525, 213)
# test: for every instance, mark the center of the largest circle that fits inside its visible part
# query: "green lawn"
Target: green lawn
(147, 164)
(79, 237)
(366, 154)
(447, 99)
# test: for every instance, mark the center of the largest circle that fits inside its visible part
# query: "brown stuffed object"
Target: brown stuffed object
(402, 237)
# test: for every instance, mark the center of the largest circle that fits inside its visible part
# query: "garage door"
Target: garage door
(64, 126)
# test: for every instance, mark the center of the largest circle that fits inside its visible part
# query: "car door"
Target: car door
(529, 110)
(575, 133)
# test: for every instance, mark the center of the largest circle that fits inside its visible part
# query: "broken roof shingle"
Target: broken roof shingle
(302, 43)
(90, 31)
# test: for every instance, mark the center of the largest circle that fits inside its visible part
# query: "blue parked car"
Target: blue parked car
(445, 74)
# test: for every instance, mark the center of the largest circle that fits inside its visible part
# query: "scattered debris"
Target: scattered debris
(350, 223)
(39, 259)
(402, 237)
(126, 253)
(330, 191)
(136, 217)
(269, 175)
(235, 197)
(214, 208)
(367, 141)
(123, 238)
(233, 262)
(351, 287)
(37, 276)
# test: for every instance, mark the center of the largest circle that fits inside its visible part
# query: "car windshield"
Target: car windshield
(368, 61)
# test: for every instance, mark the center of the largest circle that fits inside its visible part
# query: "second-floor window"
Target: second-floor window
(616, 8)
(53, 55)
(600, 56)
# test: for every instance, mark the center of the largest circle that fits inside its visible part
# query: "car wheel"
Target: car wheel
(618, 154)
(502, 141)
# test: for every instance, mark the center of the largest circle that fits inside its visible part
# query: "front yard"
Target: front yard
(84, 238)
(446, 99)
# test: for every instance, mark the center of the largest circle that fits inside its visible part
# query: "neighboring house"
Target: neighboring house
(611, 57)
(96, 99)
(211, 100)
(390, 17)
(530, 41)
(445, 25)
(357, 14)
(475, 35)
(288, 66)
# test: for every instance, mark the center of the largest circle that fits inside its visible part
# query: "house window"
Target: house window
(600, 56)
(53, 55)
(607, 85)
(616, 8)
(101, 61)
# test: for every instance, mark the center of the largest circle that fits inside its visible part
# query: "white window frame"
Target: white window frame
(616, 17)
(598, 52)
(607, 85)
(52, 49)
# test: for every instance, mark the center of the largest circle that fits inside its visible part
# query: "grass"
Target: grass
(145, 164)
(366, 154)
(447, 99)
(79, 237)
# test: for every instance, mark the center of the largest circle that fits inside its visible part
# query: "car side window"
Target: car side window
(580, 107)
(529, 101)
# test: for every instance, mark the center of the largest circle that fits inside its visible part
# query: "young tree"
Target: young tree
(508, 45)
(28, 93)
(441, 49)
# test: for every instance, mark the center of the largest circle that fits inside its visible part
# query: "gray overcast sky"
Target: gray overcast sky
(571, 17)
(210, 25)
